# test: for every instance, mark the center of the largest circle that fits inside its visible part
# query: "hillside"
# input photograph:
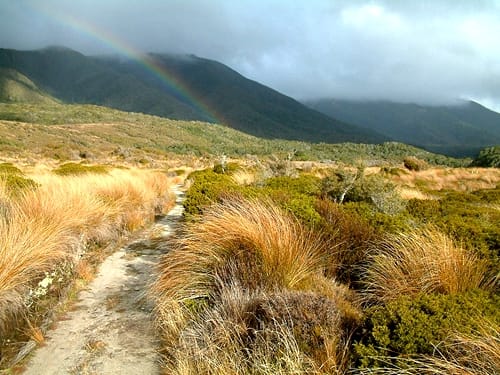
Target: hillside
(17, 88)
(201, 90)
(79, 131)
(460, 130)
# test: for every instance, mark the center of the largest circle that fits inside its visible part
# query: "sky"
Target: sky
(423, 51)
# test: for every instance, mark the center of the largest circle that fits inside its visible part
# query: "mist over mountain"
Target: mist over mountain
(458, 130)
(188, 87)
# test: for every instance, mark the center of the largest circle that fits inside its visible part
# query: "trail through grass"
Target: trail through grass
(109, 332)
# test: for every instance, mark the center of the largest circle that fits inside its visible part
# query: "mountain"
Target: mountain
(179, 87)
(17, 88)
(457, 130)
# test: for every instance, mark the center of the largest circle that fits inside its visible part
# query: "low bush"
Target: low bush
(411, 326)
(227, 168)
(16, 184)
(207, 187)
(72, 169)
(488, 157)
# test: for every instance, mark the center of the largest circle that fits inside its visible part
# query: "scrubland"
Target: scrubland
(293, 257)
(55, 225)
(333, 271)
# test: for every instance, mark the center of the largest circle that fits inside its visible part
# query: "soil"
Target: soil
(110, 331)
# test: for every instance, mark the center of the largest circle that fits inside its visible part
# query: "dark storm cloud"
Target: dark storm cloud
(424, 51)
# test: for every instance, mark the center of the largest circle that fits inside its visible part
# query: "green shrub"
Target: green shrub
(207, 187)
(71, 169)
(226, 168)
(488, 157)
(411, 326)
(304, 184)
(16, 184)
(297, 195)
(9, 168)
(347, 185)
(382, 222)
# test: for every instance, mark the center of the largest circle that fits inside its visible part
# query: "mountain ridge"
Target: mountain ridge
(457, 130)
(124, 84)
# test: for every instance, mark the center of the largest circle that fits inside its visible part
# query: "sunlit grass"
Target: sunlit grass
(422, 261)
(50, 226)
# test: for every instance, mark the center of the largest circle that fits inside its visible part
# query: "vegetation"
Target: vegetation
(422, 261)
(410, 326)
(28, 130)
(47, 232)
(69, 169)
(488, 157)
(281, 266)
(246, 279)
(381, 290)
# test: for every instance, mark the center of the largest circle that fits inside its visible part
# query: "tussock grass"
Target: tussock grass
(423, 260)
(244, 177)
(250, 240)
(52, 225)
(460, 179)
(244, 291)
(255, 332)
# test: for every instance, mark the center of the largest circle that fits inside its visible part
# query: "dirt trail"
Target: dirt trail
(110, 332)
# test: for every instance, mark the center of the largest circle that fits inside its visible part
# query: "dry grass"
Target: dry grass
(244, 292)
(423, 260)
(255, 242)
(460, 179)
(50, 226)
(412, 193)
(244, 334)
(244, 177)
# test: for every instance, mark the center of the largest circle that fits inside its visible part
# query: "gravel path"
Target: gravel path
(110, 331)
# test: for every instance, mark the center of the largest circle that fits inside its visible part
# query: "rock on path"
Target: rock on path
(110, 331)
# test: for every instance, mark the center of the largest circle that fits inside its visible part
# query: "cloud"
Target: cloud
(421, 51)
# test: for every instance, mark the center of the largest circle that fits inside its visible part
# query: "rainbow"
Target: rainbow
(146, 61)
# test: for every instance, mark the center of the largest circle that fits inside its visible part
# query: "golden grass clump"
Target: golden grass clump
(244, 290)
(250, 240)
(244, 177)
(49, 226)
(424, 260)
